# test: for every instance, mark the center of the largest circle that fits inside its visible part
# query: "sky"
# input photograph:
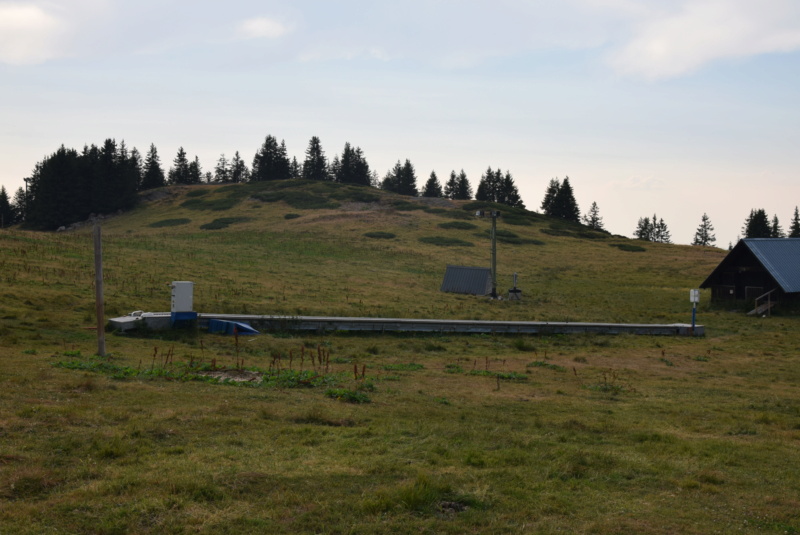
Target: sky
(668, 107)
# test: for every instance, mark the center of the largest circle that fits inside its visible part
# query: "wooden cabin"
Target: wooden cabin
(757, 267)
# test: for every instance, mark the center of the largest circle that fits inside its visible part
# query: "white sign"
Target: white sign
(694, 296)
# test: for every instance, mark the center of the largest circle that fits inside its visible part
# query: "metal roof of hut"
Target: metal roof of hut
(766, 262)
(467, 280)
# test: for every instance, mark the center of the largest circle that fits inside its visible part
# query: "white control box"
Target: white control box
(182, 296)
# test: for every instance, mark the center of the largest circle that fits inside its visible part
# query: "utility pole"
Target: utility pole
(494, 214)
(98, 289)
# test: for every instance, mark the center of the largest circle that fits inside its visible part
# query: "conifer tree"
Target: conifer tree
(343, 169)
(776, 231)
(654, 230)
(401, 179)
(102, 169)
(153, 174)
(592, 218)
(270, 162)
(315, 166)
(6, 210)
(564, 205)
(351, 168)
(489, 186)
(19, 205)
(661, 232)
(451, 186)
(432, 187)
(361, 173)
(135, 165)
(644, 229)
(794, 228)
(703, 236)
(67, 186)
(463, 190)
(508, 194)
(335, 168)
(222, 171)
(550, 196)
(295, 171)
(195, 172)
(179, 172)
(47, 191)
(498, 188)
(757, 225)
(239, 170)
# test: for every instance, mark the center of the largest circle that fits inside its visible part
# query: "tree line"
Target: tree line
(69, 186)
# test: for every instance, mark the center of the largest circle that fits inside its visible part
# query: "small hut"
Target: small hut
(756, 267)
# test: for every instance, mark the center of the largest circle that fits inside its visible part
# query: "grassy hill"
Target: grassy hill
(365, 434)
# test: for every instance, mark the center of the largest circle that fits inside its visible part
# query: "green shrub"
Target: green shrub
(347, 395)
(410, 367)
(197, 193)
(355, 194)
(224, 222)
(442, 241)
(216, 205)
(302, 200)
(521, 344)
(291, 216)
(380, 235)
(557, 232)
(518, 220)
(170, 222)
(629, 247)
(460, 225)
(505, 236)
(547, 365)
(453, 368)
(454, 214)
(592, 235)
(506, 376)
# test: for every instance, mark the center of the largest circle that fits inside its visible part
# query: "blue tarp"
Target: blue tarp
(230, 327)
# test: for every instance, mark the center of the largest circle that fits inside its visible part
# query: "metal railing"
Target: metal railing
(769, 304)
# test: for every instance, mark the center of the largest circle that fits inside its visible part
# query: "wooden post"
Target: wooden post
(98, 287)
(494, 254)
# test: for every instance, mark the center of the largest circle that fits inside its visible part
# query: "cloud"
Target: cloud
(667, 43)
(639, 184)
(261, 28)
(29, 34)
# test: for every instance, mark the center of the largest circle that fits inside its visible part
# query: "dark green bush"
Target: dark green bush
(460, 225)
(196, 193)
(629, 247)
(224, 222)
(441, 241)
(218, 205)
(380, 235)
(302, 200)
(170, 223)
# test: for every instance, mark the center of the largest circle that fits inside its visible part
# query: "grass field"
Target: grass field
(383, 434)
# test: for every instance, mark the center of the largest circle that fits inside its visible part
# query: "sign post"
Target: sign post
(694, 298)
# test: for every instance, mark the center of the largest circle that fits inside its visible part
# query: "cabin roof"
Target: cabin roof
(780, 257)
